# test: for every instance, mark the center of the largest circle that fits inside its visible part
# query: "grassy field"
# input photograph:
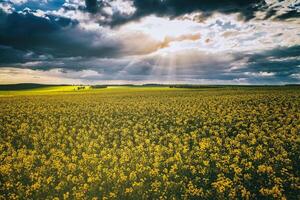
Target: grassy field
(150, 143)
(43, 90)
(51, 90)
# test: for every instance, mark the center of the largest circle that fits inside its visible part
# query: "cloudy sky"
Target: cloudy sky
(150, 41)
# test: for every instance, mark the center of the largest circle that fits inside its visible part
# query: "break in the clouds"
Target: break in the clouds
(150, 41)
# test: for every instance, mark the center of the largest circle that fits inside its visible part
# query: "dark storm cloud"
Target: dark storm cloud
(179, 7)
(139, 68)
(291, 10)
(91, 5)
(25, 29)
(246, 7)
(49, 34)
(281, 52)
(281, 63)
(173, 8)
(290, 14)
(9, 55)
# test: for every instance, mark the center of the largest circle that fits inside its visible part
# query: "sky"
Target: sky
(150, 41)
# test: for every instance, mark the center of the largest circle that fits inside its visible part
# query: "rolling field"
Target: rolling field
(150, 143)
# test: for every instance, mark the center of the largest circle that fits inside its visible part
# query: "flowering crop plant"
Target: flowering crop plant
(214, 143)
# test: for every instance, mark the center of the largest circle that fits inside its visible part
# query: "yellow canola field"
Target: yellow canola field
(151, 144)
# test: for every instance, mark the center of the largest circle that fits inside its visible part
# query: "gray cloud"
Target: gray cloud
(174, 8)
(43, 33)
(271, 66)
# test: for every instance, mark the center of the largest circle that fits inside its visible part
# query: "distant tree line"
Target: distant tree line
(98, 86)
(195, 86)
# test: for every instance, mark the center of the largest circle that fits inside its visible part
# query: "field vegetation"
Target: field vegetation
(151, 143)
